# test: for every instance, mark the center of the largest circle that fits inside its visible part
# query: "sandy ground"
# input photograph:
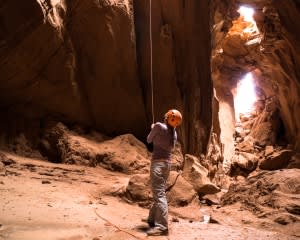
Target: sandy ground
(41, 200)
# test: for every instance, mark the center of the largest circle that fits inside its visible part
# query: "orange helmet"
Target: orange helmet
(173, 118)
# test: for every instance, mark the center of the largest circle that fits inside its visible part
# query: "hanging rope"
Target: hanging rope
(151, 68)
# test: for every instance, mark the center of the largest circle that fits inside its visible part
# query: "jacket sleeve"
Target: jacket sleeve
(152, 134)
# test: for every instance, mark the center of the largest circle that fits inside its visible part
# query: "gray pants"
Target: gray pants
(159, 173)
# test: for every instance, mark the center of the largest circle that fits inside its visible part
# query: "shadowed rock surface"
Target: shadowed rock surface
(76, 107)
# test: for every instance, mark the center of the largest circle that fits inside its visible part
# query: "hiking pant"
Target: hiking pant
(159, 173)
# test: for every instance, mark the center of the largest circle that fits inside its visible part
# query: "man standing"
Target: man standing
(163, 136)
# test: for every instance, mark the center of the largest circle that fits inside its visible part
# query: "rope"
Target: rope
(151, 67)
(115, 226)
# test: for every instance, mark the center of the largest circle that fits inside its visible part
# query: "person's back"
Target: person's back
(163, 138)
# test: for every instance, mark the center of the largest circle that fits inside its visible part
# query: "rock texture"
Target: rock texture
(181, 65)
(197, 175)
(265, 196)
(269, 50)
(123, 154)
(88, 62)
(73, 59)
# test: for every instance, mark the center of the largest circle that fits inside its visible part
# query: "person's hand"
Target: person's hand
(152, 125)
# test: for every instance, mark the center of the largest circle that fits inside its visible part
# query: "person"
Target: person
(163, 136)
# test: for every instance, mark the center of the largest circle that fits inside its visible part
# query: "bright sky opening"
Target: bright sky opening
(247, 13)
(245, 96)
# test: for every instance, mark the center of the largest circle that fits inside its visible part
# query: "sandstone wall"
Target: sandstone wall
(274, 60)
(88, 62)
(181, 64)
(288, 57)
(74, 59)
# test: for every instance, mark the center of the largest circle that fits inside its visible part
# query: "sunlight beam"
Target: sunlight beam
(245, 96)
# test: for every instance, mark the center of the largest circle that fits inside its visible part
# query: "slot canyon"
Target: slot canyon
(81, 83)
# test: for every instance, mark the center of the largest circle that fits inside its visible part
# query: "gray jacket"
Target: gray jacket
(164, 139)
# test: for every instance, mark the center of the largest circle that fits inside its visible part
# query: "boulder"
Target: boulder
(138, 188)
(197, 176)
(277, 160)
(234, 46)
(245, 146)
(246, 161)
(269, 150)
(181, 192)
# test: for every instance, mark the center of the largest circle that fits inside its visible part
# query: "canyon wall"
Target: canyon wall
(271, 55)
(87, 62)
(288, 58)
(181, 64)
(72, 59)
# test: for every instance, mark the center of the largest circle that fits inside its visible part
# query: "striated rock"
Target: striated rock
(285, 219)
(293, 209)
(277, 160)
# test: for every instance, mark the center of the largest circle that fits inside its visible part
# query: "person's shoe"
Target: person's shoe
(157, 232)
(151, 224)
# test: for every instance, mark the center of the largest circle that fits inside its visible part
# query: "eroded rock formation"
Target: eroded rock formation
(88, 62)
(268, 49)
(73, 59)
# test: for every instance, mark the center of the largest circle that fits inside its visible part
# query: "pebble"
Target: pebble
(46, 182)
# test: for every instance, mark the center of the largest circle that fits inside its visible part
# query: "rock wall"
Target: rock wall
(181, 65)
(273, 58)
(73, 59)
(88, 62)
(288, 56)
